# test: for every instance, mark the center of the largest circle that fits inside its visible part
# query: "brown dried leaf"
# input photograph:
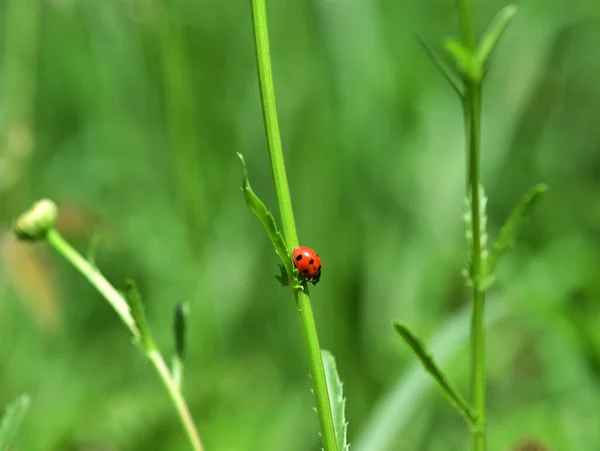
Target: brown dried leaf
(28, 272)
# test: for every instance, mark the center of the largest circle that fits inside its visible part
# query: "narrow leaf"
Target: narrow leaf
(266, 217)
(509, 231)
(436, 372)
(336, 400)
(464, 59)
(180, 338)
(12, 419)
(134, 298)
(494, 32)
(396, 409)
(180, 328)
(441, 64)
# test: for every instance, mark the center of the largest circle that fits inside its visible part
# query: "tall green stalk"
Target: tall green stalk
(309, 329)
(472, 110)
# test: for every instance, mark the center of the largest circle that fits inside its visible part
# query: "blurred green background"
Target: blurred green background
(128, 113)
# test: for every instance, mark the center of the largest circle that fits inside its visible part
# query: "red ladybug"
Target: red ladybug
(308, 263)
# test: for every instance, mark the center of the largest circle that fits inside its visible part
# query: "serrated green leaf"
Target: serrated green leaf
(464, 58)
(336, 400)
(494, 32)
(509, 231)
(12, 419)
(441, 64)
(134, 298)
(436, 372)
(268, 221)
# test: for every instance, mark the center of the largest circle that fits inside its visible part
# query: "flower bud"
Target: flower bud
(35, 223)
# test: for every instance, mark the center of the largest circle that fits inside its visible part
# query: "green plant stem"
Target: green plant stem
(176, 396)
(472, 105)
(267, 93)
(309, 329)
(95, 277)
(116, 300)
(478, 367)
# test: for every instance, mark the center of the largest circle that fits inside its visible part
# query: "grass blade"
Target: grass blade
(11, 421)
(509, 231)
(493, 33)
(266, 217)
(436, 372)
(336, 399)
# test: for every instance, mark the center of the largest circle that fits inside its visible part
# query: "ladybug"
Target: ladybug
(308, 263)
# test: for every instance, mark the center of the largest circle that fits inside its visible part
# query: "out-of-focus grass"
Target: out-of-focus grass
(373, 142)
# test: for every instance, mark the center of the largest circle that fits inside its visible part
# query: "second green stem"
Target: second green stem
(478, 375)
(472, 109)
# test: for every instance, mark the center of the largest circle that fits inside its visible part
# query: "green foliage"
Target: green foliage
(506, 237)
(180, 328)
(465, 60)
(440, 63)
(494, 33)
(267, 220)
(372, 144)
(11, 421)
(337, 400)
(180, 319)
(396, 412)
(138, 311)
(437, 373)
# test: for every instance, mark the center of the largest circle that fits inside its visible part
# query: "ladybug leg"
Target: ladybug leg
(316, 278)
(299, 286)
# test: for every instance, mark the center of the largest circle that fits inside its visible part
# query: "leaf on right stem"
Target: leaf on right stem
(493, 33)
(336, 400)
(266, 217)
(436, 372)
(441, 64)
(509, 230)
(465, 60)
(11, 421)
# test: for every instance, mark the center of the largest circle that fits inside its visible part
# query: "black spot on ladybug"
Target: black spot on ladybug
(305, 271)
(311, 261)
(299, 257)
(319, 270)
